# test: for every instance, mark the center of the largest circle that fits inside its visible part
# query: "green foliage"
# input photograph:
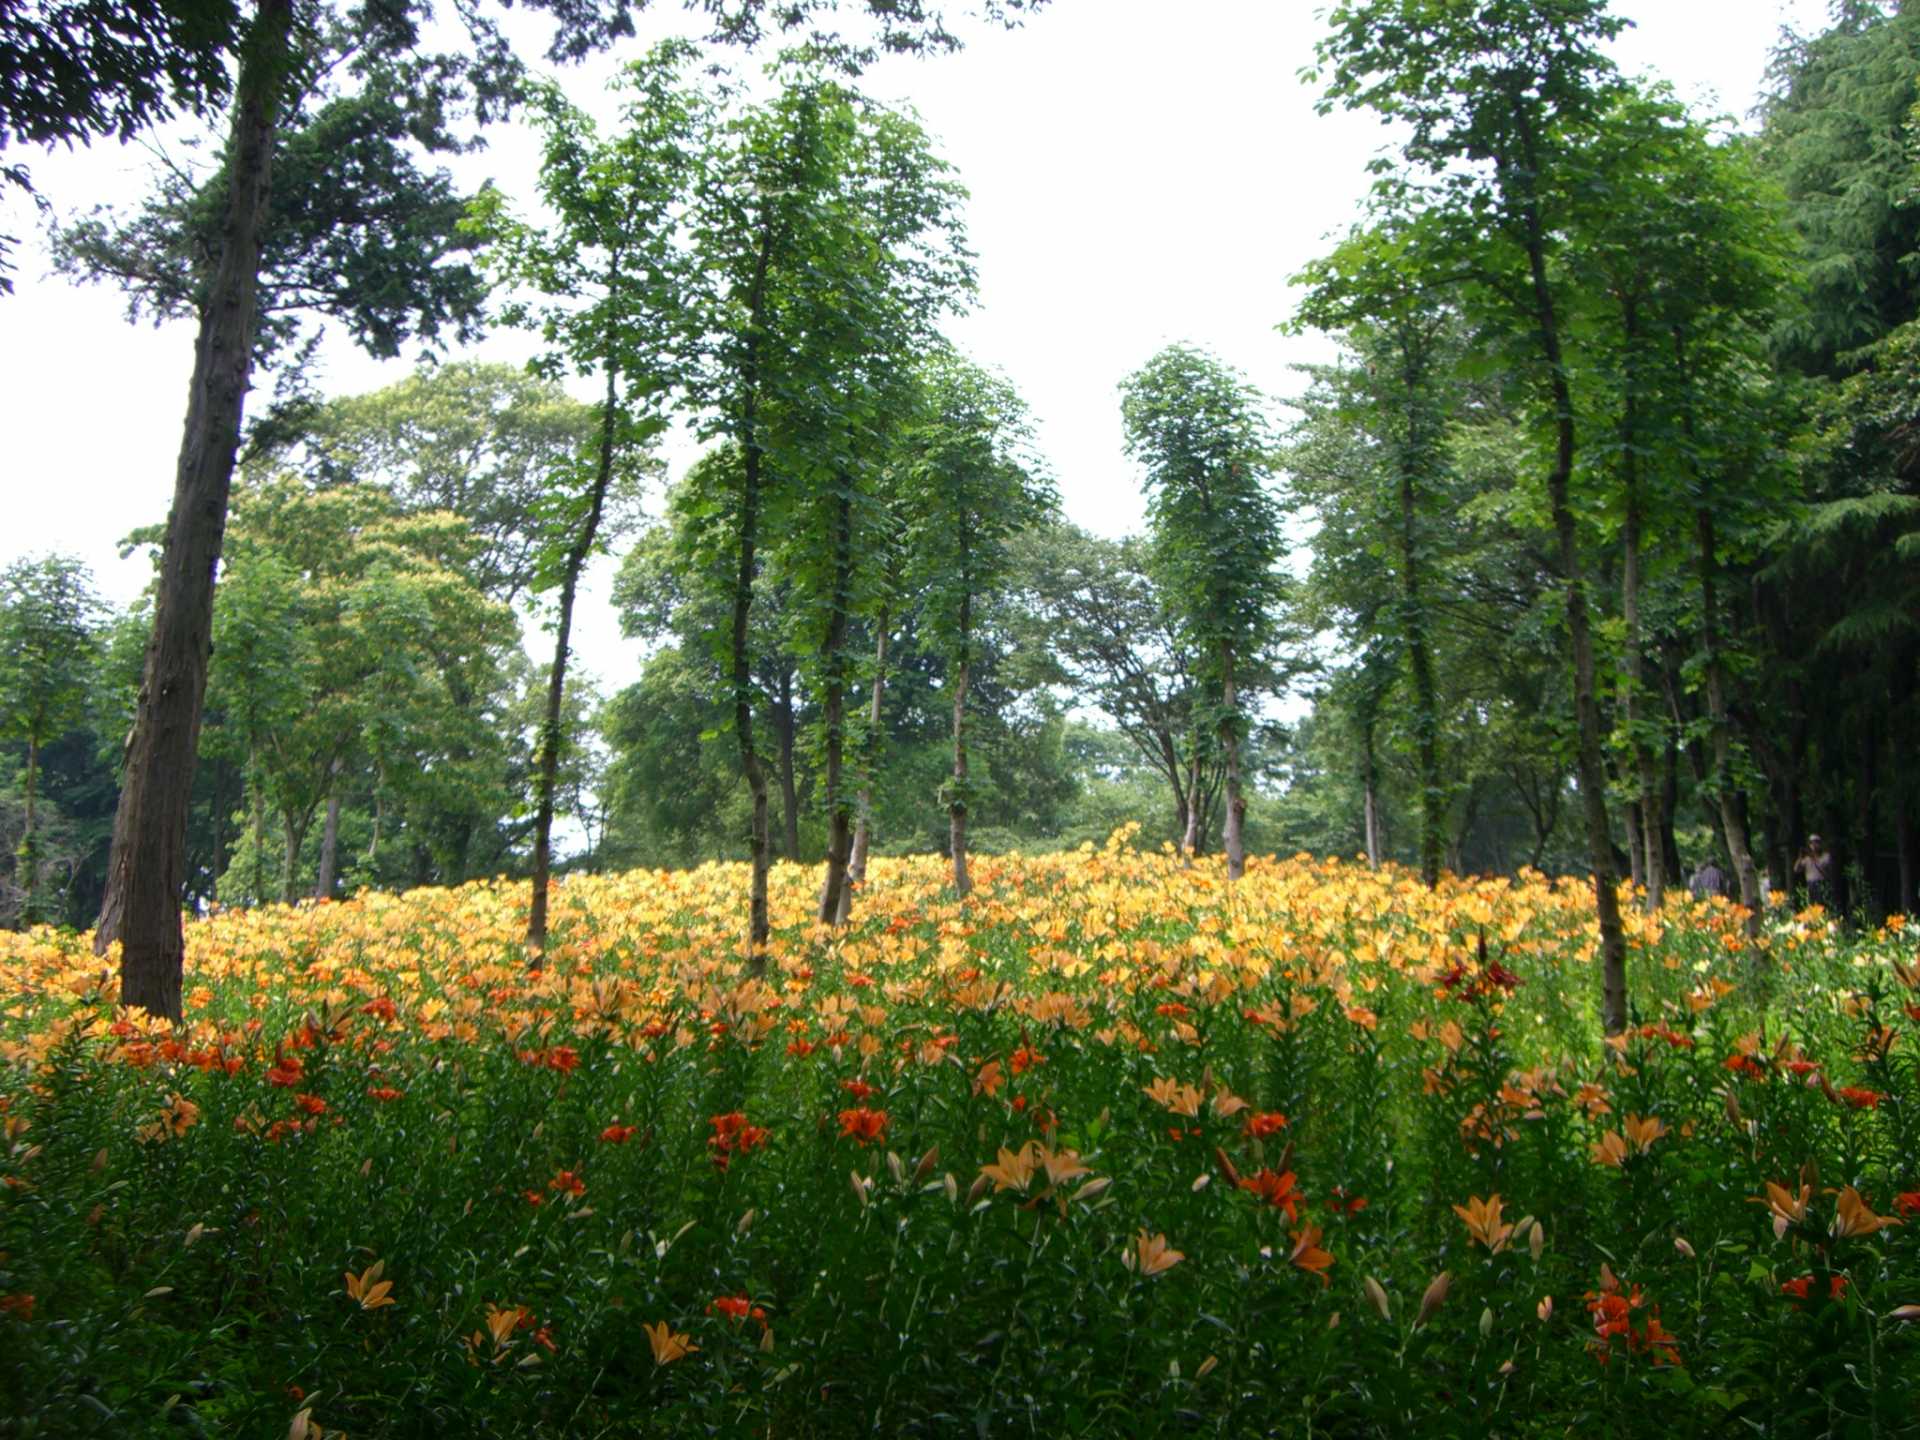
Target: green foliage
(336, 668)
(419, 1188)
(49, 619)
(483, 441)
(1838, 138)
(1198, 430)
(356, 232)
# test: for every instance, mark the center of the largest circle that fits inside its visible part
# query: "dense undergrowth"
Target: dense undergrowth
(1111, 1148)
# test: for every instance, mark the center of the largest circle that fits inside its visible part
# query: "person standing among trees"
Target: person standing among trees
(1709, 880)
(1815, 866)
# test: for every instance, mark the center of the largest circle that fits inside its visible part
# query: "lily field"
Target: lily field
(1109, 1148)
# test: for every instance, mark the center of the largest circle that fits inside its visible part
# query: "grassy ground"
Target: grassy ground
(1110, 1149)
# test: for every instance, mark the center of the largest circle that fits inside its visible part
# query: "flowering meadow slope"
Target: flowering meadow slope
(1110, 1148)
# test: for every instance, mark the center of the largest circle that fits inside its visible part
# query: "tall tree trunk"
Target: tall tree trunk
(293, 829)
(1669, 802)
(1633, 677)
(221, 774)
(28, 854)
(1370, 799)
(862, 830)
(1733, 819)
(257, 804)
(1230, 745)
(759, 843)
(550, 738)
(1170, 755)
(1866, 850)
(329, 841)
(146, 867)
(1901, 799)
(1592, 768)
(379, 819)
(1636, 852)
(1190, 842)
(1413, 624)
(1906, 839)
(839, 810)
(785, 728)
(957, 802)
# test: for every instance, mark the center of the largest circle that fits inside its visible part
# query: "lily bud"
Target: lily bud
(1680, 1244)
(1093, 1189)
(1435, 1297)
(1486, 1322)
(1377, 1297)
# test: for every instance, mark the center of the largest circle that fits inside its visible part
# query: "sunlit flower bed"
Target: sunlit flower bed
(1110, 1148)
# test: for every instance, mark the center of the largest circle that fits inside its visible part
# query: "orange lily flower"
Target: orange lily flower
(1788, 1209)
(1643, 1132)
(1482, 1219)
(668, 1346)
(1014, 1171)
(1062, 1166)
(368, 1289)
(1307, 1253)
(1175, 1096)
(1853, 1216)
(1150, 1254)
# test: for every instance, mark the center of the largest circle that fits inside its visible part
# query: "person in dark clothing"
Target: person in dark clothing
(1815, 866)
(1709, 880)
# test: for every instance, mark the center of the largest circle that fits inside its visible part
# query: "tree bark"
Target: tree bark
(1901, 736)
(857, 865)
(789, 791)
(329, 842)
(29, 853)
(1632, 686)
(294, 832)
(146, 868)
(1190, 842)
(1234, 839)
(839, 811)
(1592, 768)
(550, 738)
(1413, 623)
(759, 843)
(1370, 800)
(1733, 820)
(257, 804)
(957, 802)
(1170, 756)
(1865, 847)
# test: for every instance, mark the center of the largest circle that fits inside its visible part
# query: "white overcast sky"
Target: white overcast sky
(1142, 171)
